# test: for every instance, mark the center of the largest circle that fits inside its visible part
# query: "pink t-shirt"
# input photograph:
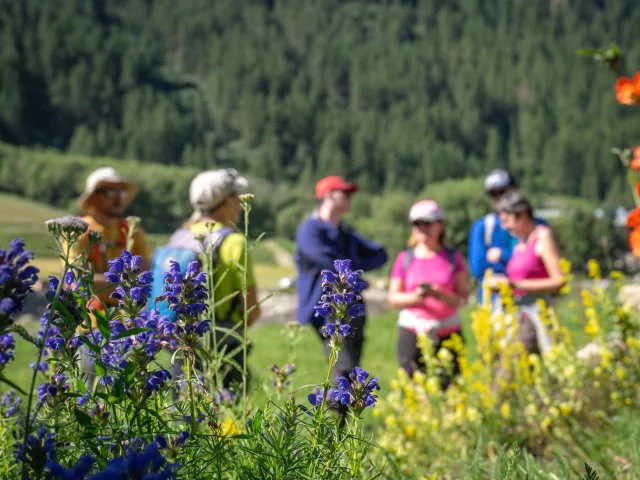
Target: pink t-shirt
(436, 270)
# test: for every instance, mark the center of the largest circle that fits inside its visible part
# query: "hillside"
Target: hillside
(397, 95)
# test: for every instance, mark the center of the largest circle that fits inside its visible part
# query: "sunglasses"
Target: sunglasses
(112, 193)
(422, 223)
(496, 193)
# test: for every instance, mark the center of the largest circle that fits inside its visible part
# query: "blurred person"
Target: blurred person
(214, 196)
(107, 195)
(490, 243)
(533, 271)
(322, 238)
(429, 282)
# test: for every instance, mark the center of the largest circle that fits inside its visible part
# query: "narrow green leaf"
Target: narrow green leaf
(89, 344)
(130, 371)
(103, 325)
(83, 418)
(131, 331)
(4, 379)
(100, 369)
(82, 388)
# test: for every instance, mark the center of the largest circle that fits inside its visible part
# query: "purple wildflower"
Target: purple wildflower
(356, 391)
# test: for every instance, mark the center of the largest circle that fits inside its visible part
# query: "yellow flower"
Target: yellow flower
(531, 410)
(432, 385)
(554, 412)
(627, 401)
(597, 371)
(410, 431)
(565, 409)
(390, 421)
(594, 269)
(505, 410)
(617, 275)
(620, 373)
(615, 396)
(592, 328)
(445, 355)
(546, 423)
(228, 427)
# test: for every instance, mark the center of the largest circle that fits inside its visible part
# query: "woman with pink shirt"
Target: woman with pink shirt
(429, 282)
(534, 270)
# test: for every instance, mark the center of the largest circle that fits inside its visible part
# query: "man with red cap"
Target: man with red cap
(321, 239)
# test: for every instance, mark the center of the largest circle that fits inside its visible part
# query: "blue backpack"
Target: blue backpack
(184, 248)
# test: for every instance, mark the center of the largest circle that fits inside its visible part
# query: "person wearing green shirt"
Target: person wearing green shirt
(214, 196)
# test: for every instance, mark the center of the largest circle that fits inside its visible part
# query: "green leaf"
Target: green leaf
(226, 298)
(82, 388)
(100, 369)
(131, 331)
(590, 473)
(20, 330)
(89, 344)
(103, 325)
(4, 379)
(83, 418)
(130, 371)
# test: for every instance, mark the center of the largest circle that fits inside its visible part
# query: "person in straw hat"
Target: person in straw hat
(107, 195)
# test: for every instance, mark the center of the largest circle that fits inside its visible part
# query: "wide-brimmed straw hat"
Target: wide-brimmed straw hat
(102, 177)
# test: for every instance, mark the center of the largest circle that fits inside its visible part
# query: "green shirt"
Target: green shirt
(232, 248)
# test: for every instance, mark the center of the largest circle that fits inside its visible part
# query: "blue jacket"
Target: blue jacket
(318, 244)
(477, 254)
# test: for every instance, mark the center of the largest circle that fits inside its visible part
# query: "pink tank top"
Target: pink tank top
(526, 264)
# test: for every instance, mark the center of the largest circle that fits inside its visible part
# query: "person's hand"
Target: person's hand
(420, 293)
(494, 254)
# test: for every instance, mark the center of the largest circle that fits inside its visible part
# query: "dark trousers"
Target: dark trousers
(229, 375)
(410, 356)
(351, 353)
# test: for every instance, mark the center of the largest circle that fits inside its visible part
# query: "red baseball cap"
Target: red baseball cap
(335, 182)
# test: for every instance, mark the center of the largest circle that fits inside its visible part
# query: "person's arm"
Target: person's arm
(505, 255)
(371, 255)
(252, 299)
(547, 249)
(398, 298)
(314, 244)
(477, 250)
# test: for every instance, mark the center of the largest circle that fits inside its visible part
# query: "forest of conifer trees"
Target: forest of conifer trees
(394, 94)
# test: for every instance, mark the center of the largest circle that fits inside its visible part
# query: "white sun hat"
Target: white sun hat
(103, 177)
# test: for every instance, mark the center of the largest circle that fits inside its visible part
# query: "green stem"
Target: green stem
(245, 315)
(52, 311)
(192, 405)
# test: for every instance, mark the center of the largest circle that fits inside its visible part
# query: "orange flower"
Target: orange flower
(628, 90)
(635, 161)
(634, 241)
(633, 218)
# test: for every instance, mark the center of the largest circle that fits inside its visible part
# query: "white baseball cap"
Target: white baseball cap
(426, 211)
(498, 179)
(209, 189)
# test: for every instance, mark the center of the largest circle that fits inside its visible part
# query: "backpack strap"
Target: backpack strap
(451, 256)
(408, 258)
(96, 251)
(489, 227)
